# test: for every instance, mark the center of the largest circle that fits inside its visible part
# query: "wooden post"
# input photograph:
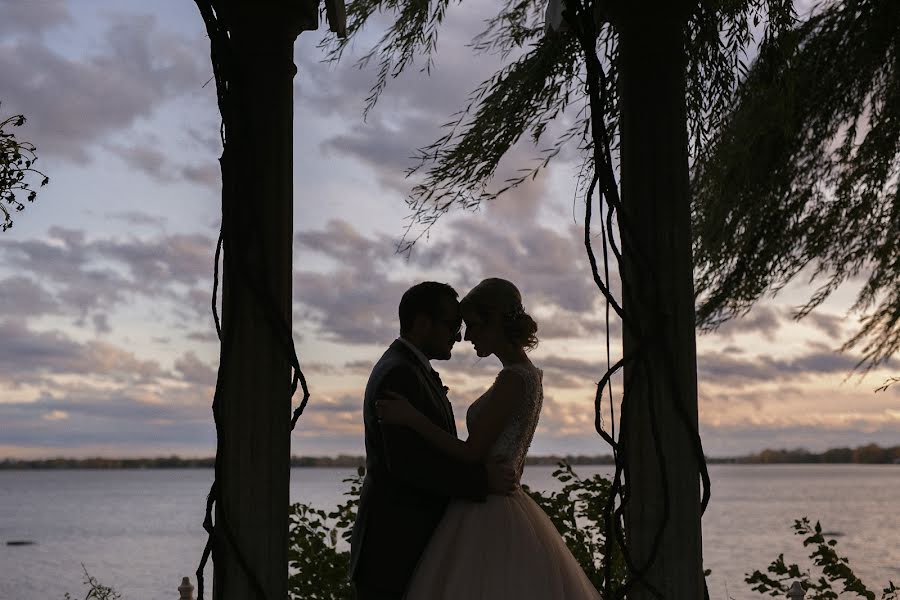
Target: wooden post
(255, 411)
(185, 590)
(658, 294)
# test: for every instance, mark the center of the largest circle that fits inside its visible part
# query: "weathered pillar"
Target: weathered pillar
(658, 295)
(255, 400)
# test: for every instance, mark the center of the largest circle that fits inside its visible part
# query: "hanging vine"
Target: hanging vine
(580, 19)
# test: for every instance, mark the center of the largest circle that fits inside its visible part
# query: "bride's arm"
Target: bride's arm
(509, 390)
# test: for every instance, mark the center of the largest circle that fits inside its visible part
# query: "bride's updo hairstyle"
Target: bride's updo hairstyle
(499, 298)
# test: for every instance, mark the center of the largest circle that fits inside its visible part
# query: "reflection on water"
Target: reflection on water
(140, 531)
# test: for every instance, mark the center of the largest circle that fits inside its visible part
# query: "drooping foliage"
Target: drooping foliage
(17, 160)
(795, 156)
(539, 92)
(803, 175)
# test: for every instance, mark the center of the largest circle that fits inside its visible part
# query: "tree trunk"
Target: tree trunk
(255, 410)
(657, 277)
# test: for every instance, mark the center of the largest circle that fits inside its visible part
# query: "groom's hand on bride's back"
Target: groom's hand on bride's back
(501, 477)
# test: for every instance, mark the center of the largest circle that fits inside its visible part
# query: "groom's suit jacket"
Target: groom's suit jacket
(408, 483)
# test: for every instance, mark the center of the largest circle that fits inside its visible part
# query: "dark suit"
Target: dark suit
(408, 483)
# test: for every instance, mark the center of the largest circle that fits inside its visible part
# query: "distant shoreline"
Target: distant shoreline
(869, 454)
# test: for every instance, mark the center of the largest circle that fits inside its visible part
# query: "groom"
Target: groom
(408, 483)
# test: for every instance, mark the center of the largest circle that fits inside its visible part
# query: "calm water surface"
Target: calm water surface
(140, 531)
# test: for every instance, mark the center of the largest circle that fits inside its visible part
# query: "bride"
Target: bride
(505, 547)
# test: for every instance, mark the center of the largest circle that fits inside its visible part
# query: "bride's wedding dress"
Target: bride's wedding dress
(505, 547)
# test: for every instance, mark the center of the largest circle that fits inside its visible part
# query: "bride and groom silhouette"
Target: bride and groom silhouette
(441, 517)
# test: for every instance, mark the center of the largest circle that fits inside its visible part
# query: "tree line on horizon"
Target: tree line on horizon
(867, 454)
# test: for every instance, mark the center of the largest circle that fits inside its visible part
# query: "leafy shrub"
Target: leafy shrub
(96, 590)
(317, 569)
(836, 577)
(577, 511)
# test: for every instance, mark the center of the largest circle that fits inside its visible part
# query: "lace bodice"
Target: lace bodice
(514, 440)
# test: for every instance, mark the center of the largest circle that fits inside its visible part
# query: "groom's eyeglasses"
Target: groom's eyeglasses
(454, 325)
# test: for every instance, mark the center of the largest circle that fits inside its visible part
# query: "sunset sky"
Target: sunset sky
(107, 343)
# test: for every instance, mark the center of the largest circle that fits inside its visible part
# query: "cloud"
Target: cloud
(137, 218)
(340, 241)
(28, 356)
(728, 369)
(342, 90)
(22, 297)
(33, 17)
(117, 419)
(763, 319)
(147, 158)
(387, 149)
(561, 421)
(25, 353)
(413, 107)
(89, 275)
(133, 373)
(356, 302)
(181, 258)
(206, 174)
(830, 324)
(101, 323)
(194, 370)
(333, 416)
(150, 159)
(354, 298)
(547, 264)
(203, 336)
(563, 324)
(820, 363)
(349, 308)
(767, 320)
(66, 393)
(575, 373)
(137, 68)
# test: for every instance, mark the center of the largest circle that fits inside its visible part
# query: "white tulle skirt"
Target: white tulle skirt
(505, 547)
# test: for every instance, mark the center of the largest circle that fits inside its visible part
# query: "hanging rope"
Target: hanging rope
(580, 19)
(228, 79)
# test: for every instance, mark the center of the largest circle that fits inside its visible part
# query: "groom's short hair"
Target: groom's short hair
(423, 298)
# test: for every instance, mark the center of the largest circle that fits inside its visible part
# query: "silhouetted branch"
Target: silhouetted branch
(16, 166)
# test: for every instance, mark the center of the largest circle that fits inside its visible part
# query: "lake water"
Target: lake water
(140, 530)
